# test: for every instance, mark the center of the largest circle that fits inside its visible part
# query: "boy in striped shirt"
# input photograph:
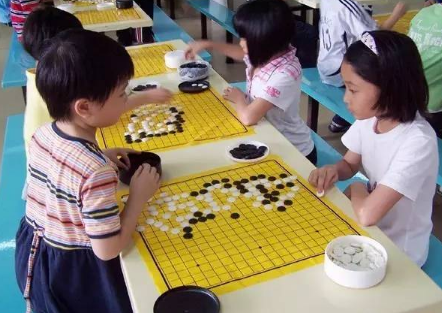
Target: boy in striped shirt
(68, 243)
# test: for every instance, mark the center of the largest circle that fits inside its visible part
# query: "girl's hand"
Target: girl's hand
(119, 156)
(158, 95)
(194, 48)
(144, 183)
(400, 9)
(323, 178)
(428, 3)
(234, 95)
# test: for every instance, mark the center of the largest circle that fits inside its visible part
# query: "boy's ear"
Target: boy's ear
(83, 108)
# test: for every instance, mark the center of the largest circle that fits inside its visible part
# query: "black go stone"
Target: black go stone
(274, 199)
(283, 175)
(275, 192)
(261, 176)
(207, 185)
(194, 193)
(263, 190)
(187, 229)
(265, 202)
(172, 132)
(281, 209)
(215, 182)
(234, 216)
(210, 216)
(236, 182)
(290, 184)
(253, 178)
(225, 180)
(202, 219)
(203, 191)
(193, 221)
(198, 214)
(267, 196)
(227, 186)
(138, 140)
(244, 180)
(188, 236)
(150, 135)
(288, 202)
(243, 191)
(280, 186)
(272, 178)
(259, 186)
(157, 135)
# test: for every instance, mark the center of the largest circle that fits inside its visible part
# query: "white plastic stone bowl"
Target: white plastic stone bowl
(68, 7)
(251, 142)
(173, 59)
(354, 279)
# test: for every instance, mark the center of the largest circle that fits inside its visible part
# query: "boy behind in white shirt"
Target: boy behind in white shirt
(342, 23)
(387, 93)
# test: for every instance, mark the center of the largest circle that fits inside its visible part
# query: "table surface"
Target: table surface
(118, 21)
(405, 288)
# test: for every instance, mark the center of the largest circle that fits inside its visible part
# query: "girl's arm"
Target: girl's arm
(370, 208)
(248, 114)
(157, 95)
(399, 10)
(231, 50)
(323, 178)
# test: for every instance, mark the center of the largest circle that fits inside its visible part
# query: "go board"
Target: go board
(149, 60)
(402, 26)
(91, 17)
(188, 120)
(235, 226)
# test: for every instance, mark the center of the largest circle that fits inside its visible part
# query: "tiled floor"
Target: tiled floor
(12, 100)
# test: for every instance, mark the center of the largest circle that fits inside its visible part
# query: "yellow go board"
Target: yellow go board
(235, 226)
(150, 60)
(107, 16)
(188, 120)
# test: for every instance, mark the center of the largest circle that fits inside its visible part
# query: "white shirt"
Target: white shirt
(279, 82)
(406, 160)
(342, 23)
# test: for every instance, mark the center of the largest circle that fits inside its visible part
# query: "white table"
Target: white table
(405, 289)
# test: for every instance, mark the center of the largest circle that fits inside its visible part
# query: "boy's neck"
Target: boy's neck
(385, 125)
(77, 129)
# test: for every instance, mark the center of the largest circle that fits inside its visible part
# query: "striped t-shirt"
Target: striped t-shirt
(20, 9)
(71, 191)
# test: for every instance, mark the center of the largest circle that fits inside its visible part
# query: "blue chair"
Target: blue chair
(12, 207)
(433, 266)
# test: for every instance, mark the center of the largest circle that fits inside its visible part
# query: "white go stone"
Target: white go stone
(263, 181)
(224, 190)
(279, 203)
(248, 185)
(150, 221)
(268, 206)
(193, 209)
(159, 201)
(144, 139)
(185, 195)
(207, 211)
(248, 195)
(260, 198)
(167, 216)
(190, 203)
(140, 229)
(226, 207)
(175, 231)
(176, 197)
(164, 228)
(350, 250)
(216, 208)
(199, 197)
(291, 195)
(189, 216)
(295, 188)
(154, 213)
(320, 194)
(152, 208)
(172, 208)
(231, 199)
(210, 188)
(168, 199)
(181, 206)
(256, 204)
(179, 219)
(268, 185)
(158, 224)
(236, 193)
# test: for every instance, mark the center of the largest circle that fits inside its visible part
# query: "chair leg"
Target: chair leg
(23, 89)
(172, 9)
(203, 26)
(229, 39)
(316, 17)
(312, 114)
(159, 3)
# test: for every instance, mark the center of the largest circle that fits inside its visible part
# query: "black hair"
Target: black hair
(267, 26)
(397, 71)
(43, 23)
(79, 64)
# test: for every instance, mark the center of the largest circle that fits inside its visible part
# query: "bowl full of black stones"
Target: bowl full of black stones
(137, 159)
(248, 151)
(193, 71)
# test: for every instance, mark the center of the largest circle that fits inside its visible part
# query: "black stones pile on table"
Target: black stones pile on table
(144, 87)
(248, 152)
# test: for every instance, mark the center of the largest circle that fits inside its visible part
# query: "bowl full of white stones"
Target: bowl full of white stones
(355, 261)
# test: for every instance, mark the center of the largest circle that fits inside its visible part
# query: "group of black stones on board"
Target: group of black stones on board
(144, 116)
(268, 192)
(248, 151)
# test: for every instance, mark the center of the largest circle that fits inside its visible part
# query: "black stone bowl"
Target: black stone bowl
(135, 161)
(124, 4)
(190, 299)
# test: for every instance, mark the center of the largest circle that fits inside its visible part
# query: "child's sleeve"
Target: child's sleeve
(415, 161)
(100, 211)
(357, 20)
(352, 139)
(281, 90)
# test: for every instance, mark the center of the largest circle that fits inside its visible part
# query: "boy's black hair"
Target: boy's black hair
(397, 71)
(80, 64)
(43, 24)
(267, 26)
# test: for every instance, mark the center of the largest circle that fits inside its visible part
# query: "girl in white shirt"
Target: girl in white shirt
(273, 71)
(387, 93)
